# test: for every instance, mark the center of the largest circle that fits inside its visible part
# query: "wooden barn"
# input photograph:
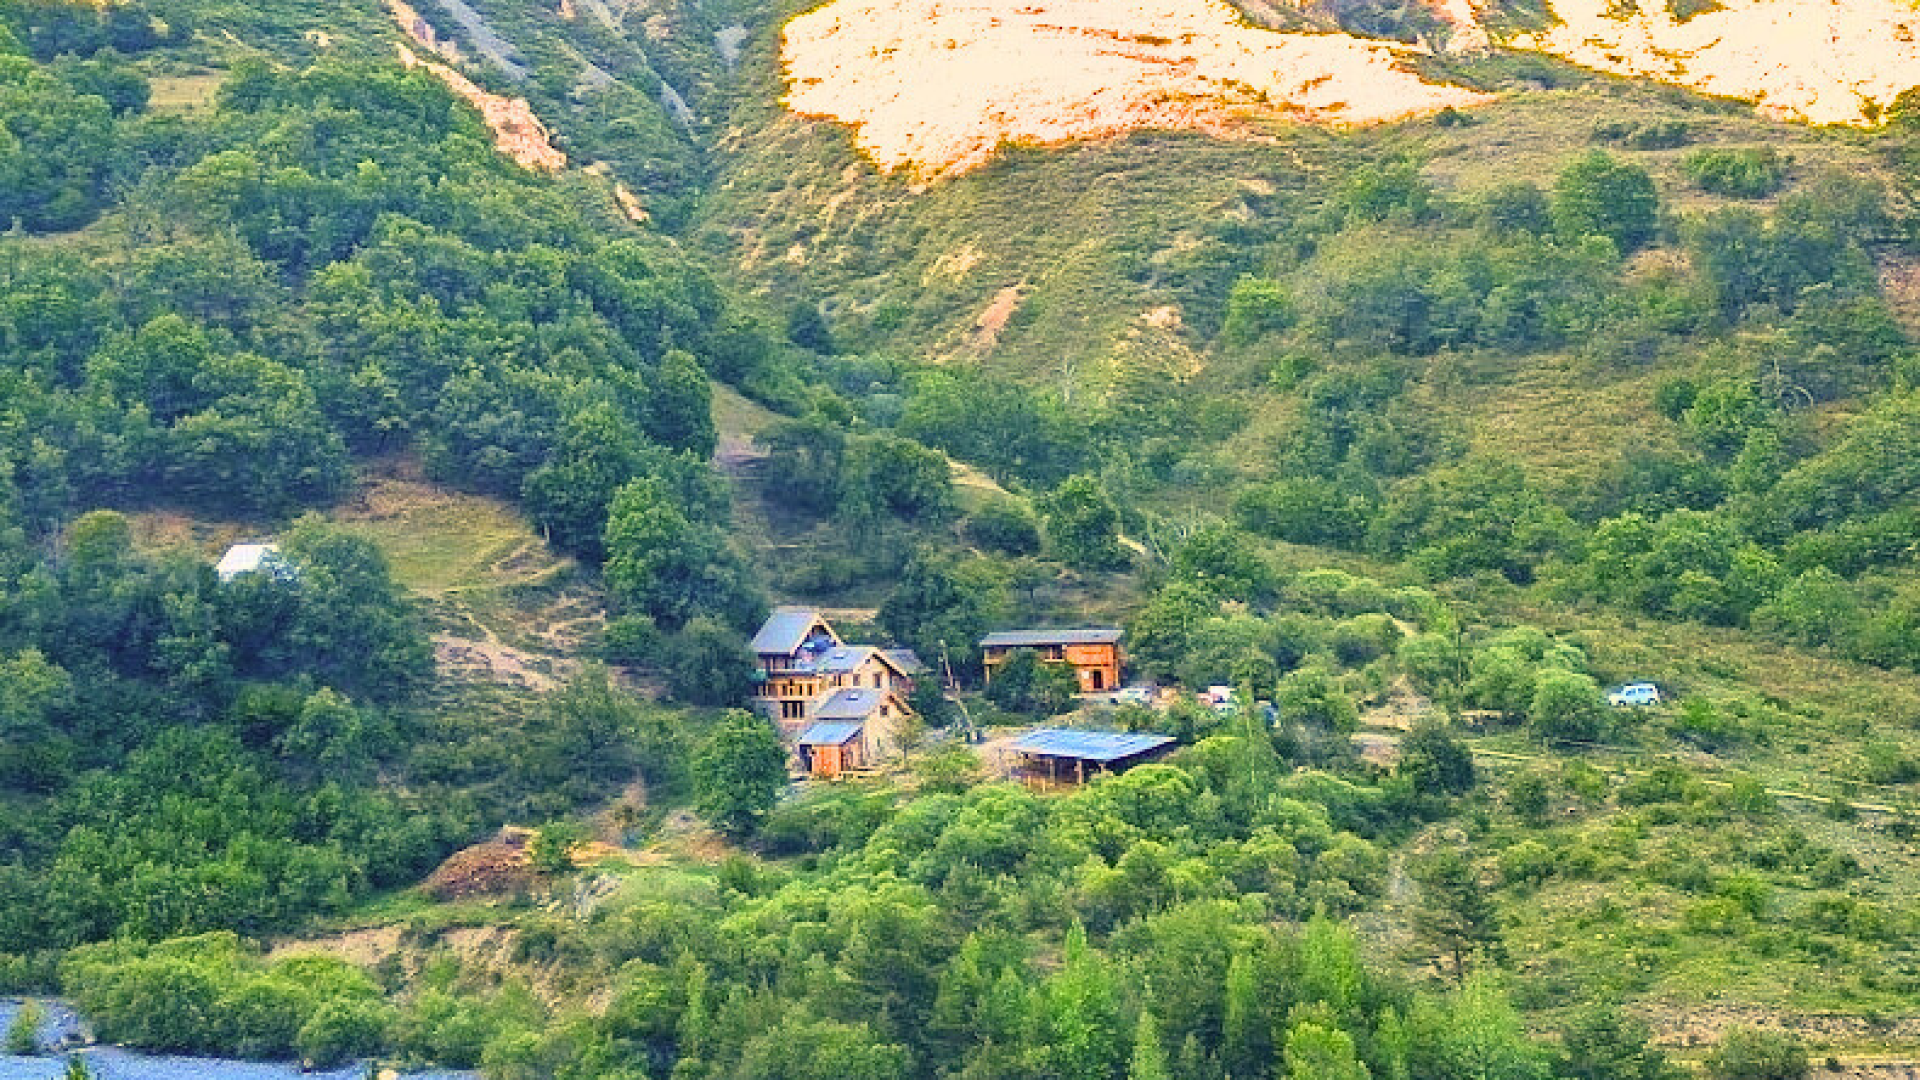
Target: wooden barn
(1092, 652)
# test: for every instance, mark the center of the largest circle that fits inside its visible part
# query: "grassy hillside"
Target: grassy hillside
(1426, 434)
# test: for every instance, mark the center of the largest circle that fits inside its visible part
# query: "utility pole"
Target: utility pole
(969, 732)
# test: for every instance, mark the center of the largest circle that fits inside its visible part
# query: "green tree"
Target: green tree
(353, 628)
(1149, 1061)
(804, 458)
(1598, 194)
(1024, 683)
(895, 475)
(551, 849)
(1474, 1035)
(1083, 526)
(1160, 638)
(942, 605)
(1567, 705)
(1601, 1043)
(1256, 307)
(1457, 917)
(739, 772)
(1517, 206)
(1312, 696)
(709, 664)
(680, 405)
(1224, 562)
(342, 1029)
(34, 755)
(598, 451)
(1818, 607)
(1004, 526)
(591, 723)
(1245, 1040)
(665, 566)
(1319, 1053)
(1435, 761)
(1077, 1033)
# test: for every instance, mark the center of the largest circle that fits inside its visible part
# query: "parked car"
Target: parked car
(1133, 695)
(1639, 693)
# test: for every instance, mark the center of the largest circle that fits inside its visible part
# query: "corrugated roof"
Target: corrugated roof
(1092, 635)
(848, 705)
(785, 630)
(833, 734)
(1102, 746)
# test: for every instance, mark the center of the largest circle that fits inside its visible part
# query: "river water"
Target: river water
(115, 1063)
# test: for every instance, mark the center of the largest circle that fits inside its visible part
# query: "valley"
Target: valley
(1382, 384)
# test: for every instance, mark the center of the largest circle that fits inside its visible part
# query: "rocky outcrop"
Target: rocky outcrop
(517, 133)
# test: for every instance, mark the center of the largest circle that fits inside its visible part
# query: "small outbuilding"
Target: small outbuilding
(828, 748)
(264, 559)
(1071, 755)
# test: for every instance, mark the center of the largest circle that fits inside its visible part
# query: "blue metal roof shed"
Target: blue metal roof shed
(1101, 747)
(829, 734)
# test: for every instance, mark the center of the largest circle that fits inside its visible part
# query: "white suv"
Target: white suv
(1640, 693)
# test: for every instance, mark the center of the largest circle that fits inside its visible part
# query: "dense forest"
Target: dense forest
(1425, 460)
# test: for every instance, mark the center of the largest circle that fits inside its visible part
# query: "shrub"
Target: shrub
(1567, 705)
(1600, 195)
(631, 640)
(551, 850)
(343, 1029)
(23, 1035)
(1742, 173)
(1005, 526)
(1705, 726)
(1528, 862)
(1748, 1054)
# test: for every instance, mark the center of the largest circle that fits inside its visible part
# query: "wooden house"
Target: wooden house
(789, 647)
(1093, 653)
(850, 729)
(808, 678)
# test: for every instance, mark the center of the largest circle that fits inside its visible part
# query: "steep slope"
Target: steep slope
(1824, 61)
(939, 86)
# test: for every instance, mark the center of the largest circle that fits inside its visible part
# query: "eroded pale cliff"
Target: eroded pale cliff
(936, 85)
(1826, 61)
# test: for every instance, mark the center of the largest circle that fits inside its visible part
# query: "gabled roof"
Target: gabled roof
(843, 659)
(906, 661)
(1092, 635)
(847, 659)
(786, 630)
(1101, 746)
(836, 733)
(850, 704)
(254, 559)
